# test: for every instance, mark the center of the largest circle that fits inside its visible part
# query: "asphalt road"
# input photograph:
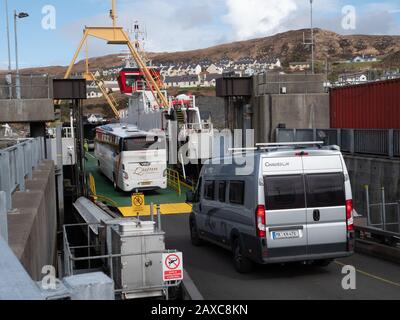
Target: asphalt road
(212, 271)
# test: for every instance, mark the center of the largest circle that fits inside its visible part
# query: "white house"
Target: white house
(364, 58)
(213, 69)
(186, 81)
(353, 78)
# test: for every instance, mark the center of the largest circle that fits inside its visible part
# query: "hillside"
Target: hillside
(287, 46)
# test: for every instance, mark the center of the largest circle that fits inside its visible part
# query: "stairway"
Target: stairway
(180, 117)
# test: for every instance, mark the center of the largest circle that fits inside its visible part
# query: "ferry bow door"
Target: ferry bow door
(285, 207)
(326, 204)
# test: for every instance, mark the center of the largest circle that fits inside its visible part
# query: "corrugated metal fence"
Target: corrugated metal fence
(355, 141)
(17, 163)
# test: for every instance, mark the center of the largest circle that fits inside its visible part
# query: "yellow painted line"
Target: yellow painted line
(370, 275)
(166, 209)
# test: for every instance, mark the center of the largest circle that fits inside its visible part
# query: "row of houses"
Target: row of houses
(190, 81)
(244, 66)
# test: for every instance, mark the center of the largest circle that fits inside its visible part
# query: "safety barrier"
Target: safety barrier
(355, 141)
(30, 87)
(17, 163)
(95, 196)
(383, 215)
(174, 180)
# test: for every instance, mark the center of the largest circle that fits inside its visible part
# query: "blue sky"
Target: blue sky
(176, 25)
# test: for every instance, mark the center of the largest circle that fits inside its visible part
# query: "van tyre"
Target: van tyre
(194, 234)
(322, 262)
(242, 264)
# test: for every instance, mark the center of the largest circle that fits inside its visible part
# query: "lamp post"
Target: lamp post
(312, 39)
(9, 76)
(20, 15)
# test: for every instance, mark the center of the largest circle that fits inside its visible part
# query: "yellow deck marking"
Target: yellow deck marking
(371, 275)
(168, 208)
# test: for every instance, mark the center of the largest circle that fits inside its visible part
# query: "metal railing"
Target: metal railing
(90, 254)
(31, 87)
(174, 180)
(379, 142)
(383, 215)
(17, 163)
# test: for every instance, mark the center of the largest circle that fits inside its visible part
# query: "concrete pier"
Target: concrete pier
(32, 224)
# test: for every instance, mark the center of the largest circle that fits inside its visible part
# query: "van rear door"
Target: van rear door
(326, 204)
(285, 207)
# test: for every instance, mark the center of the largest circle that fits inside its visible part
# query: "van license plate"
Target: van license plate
(276, 235)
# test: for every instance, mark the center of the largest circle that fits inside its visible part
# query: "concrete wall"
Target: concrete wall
(272, 83)
(375, 172)
(216, 107)
(32, 224)
(31, 110)
(293, 110)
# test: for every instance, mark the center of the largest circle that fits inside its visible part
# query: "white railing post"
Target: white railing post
(3, 216)
(5, 183)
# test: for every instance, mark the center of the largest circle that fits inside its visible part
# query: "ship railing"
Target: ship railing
(174, 180)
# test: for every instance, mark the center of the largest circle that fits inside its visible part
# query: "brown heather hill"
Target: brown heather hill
(287, 46)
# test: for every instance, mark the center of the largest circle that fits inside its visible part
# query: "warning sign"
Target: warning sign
(172, 266)
(138, 202)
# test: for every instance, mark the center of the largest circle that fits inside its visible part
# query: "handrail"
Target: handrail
(17, 163)
(95, 196)
(174, 180)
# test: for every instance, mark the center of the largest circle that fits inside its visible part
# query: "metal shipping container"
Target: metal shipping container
(374, 105)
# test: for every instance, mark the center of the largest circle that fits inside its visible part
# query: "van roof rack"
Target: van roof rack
(284, 145)
(289, 144)
(243, 149)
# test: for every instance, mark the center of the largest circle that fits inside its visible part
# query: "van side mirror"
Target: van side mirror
(189, 197)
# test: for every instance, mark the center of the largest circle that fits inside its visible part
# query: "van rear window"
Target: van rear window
(284, 192)
(222, 191)
(209, 187)
(236, 192)
(325, 190)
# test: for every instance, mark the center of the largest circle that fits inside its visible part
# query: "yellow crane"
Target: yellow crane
(117, 35)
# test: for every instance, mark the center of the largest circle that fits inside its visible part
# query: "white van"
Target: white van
(295, 205)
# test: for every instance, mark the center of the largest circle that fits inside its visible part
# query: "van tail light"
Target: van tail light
(349, 215)
(260, 220)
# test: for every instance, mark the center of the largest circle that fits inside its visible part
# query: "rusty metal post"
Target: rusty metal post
(368, 205)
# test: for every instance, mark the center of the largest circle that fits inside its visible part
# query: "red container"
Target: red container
(374, 105)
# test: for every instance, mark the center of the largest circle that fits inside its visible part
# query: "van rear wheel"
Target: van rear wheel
(322, 262)
(242, 264)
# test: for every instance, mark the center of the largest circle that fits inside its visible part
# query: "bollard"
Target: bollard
(3, 217)
(368, 207)
(383, 212)
(158, 218)
(398, 215)
(152, 211)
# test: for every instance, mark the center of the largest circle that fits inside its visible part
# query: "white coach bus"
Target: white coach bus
(133, 160)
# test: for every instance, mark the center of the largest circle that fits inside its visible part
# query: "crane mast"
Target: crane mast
(118, 36)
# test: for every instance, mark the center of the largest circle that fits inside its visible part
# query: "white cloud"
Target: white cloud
(252, 18)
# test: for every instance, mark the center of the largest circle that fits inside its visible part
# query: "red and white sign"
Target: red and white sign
(172, 266)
